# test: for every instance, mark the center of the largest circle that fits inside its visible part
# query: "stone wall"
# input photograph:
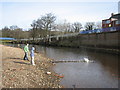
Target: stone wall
(101, 40)
(107, 41)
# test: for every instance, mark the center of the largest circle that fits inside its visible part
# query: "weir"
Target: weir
(66, 61)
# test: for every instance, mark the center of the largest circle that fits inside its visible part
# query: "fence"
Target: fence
(101, 30)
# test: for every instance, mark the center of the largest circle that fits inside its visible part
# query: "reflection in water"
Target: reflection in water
(101, 74)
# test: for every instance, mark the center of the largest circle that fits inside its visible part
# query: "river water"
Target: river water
(102, 73)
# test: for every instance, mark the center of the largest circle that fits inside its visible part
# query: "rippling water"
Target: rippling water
(103, 73)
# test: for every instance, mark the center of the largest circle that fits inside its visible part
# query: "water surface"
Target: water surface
(103, 73)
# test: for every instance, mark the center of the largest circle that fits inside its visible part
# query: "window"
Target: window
(104, 22)
(117, 22)
(108, 21)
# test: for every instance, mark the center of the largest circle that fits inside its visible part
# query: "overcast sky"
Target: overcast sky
(22, 13)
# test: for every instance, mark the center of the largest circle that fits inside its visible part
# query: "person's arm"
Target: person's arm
(27, 49)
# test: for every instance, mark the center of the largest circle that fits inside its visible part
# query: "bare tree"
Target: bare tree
(13, 27)
(42, 32)
(6, 32)
(14, 32)
(77, 26)
(65, 27)
(68, 27)
(59, 27)
(17, 33)
(33, 31)
(98, 25)
(46, 22)
(89, 26)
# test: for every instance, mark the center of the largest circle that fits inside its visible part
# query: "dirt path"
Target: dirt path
(18, 73)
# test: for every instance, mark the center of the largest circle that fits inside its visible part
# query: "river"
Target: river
(101, 73)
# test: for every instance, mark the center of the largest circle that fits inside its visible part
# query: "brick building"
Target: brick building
(113, 21)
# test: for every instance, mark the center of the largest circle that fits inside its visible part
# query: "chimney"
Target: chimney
(112, 14)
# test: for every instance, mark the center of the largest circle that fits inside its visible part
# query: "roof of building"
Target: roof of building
(117, 16)
(5, 38)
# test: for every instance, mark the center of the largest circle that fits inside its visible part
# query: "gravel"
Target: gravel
(18, 73)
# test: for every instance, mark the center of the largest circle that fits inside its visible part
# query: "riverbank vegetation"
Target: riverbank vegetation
(45, 26)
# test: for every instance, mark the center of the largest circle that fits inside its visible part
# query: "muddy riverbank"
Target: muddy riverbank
(18, 73)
